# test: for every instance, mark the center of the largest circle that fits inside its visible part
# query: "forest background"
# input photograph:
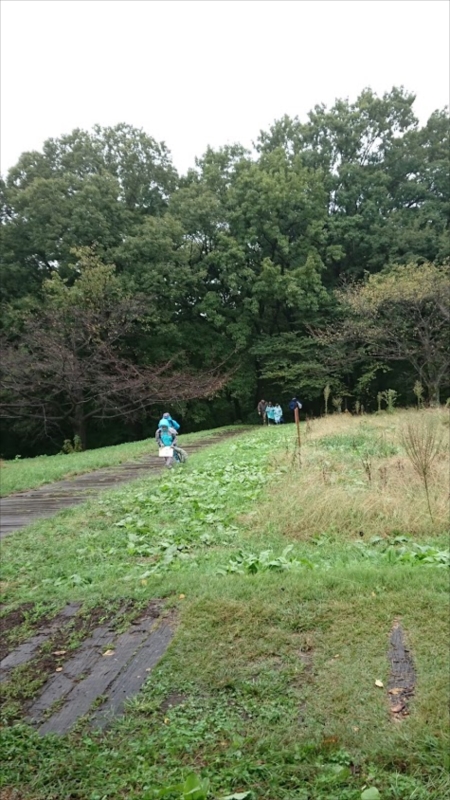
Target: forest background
(315, 264)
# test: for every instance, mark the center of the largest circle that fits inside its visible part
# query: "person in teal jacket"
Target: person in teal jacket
(270, 414)
(278, 414)
(172, 422)
(166, 436)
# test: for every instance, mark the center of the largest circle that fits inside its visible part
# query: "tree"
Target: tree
(402, 315)
(84, 189)
(141, 165)
(386, 179)
(74, 361)
(240, 257)
(416, 168)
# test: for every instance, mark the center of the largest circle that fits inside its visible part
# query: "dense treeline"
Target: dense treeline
(242, 262)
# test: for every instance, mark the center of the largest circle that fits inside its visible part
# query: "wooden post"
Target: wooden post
(297, 422)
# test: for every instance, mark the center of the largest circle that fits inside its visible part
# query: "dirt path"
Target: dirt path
(95, 679)
(19, 510)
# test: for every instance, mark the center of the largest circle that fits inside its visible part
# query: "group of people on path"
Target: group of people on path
(167, 430)
(273, 414)
(270, 414)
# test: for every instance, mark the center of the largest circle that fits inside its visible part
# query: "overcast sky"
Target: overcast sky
(194, 73)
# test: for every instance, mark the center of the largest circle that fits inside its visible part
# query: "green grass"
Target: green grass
(29, 473)
(269, 684)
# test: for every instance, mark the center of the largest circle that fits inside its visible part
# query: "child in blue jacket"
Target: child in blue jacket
(172, 422)
(166, 436)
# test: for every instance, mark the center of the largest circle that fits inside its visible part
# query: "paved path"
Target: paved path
(19, 510)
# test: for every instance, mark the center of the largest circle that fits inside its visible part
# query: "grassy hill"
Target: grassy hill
(286, 572)
(29, 473)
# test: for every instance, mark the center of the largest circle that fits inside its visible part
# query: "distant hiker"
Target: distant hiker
(295, 404)
(262, 405)
(172, 422)
(278, 412)
(270, 414)
(166, 436)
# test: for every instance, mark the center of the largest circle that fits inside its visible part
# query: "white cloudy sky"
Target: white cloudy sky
(211, 72)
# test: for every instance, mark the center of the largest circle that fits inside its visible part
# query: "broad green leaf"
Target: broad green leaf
(370, 794)
(177, 787)
(194, 788)
(337, 773)
(237, 796)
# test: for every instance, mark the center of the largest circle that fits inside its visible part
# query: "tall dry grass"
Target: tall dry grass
(422, 442)
(346, 494)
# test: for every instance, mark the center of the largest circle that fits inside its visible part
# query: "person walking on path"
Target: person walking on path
(295, 403)
(172, 422)
(278, 412)
(270, 413)
(262, 406)
(166, 438)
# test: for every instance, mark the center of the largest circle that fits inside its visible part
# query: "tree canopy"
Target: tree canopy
(241, 261)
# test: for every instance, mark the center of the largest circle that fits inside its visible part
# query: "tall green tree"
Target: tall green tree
(418, 181)
(401, 316)
(84, 189)
(386, 179)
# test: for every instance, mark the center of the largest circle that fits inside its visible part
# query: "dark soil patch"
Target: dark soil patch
(42, 628)
(172, 700)
(153, 609)
(403, 676)
(90, 665)
(10, 621)
(306, 658)
(27, 669)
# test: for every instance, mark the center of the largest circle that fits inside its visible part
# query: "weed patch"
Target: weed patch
(363, 442)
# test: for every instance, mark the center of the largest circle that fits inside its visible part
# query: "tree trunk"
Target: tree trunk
(433, 390)
(237, 410)
(80, 426)
(435, 395)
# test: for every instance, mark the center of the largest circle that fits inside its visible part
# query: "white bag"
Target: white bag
(165, 452)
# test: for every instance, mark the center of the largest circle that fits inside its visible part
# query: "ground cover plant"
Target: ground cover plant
(286, 582)
(28, 473)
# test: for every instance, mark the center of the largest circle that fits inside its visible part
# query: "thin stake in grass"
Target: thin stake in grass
(422, 444)
(366, 461)
(418, 391)
(326, 395)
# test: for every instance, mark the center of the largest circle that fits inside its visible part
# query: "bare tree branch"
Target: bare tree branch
(65, 370)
